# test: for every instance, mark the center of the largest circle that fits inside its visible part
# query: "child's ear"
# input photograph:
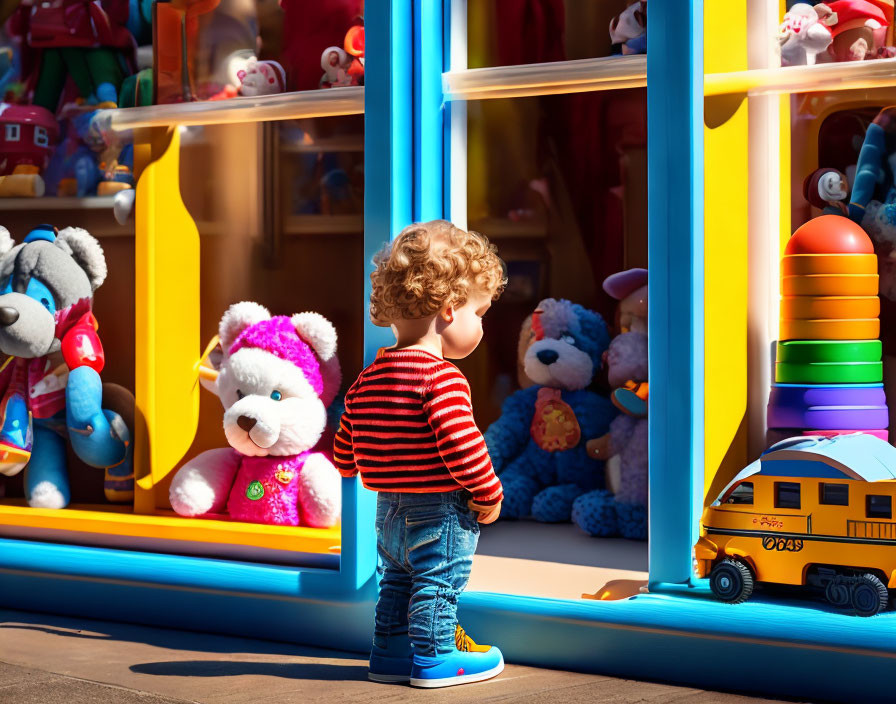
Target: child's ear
(447, 314)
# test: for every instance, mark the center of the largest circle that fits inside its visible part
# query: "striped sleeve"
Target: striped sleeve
(343, 453)
(449, 411)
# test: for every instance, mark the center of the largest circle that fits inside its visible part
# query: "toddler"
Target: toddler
(408, 429)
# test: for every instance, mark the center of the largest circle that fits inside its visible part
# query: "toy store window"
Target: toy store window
(539, 31)
(559, 184)
(279, 208)
(214, 51)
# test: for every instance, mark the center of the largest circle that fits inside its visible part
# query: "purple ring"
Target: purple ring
(829, 417)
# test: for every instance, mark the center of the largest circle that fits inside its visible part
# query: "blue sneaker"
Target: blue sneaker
(392, 664)
(458, 667)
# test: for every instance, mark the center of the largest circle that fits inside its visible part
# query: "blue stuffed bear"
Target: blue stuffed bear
(51, 395)
(537, 446)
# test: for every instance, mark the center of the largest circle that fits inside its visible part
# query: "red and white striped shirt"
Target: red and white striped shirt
(408, 427)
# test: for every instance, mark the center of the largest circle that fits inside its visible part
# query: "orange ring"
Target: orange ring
(830, 285)
(814, 307)
(831, 329)
(800, 264)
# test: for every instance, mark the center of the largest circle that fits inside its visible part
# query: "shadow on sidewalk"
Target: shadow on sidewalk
(219, 668)
(108, 631)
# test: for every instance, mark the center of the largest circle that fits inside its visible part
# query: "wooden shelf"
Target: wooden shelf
(849, 75)
(58, 203)
(283, 106)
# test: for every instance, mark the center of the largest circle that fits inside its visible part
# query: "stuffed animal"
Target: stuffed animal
(828, 190)
(537, 446)
(276, 379)
(50, 383)
(628, 30)
(621, 508)
(804, 33)
(261, 78)
(630, 289)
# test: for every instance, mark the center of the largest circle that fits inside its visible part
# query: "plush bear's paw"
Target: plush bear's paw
(554, 504)
(320, 492)
(203, 484)
(47, 495)
(632, 521)
(518, 494)
(595, 513)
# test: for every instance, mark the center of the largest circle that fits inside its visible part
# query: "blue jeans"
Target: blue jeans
(426, 544)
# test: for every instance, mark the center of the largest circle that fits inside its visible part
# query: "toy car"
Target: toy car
(811, 511)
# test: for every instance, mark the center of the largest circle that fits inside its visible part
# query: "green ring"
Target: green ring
(809, 351)
(829, 373)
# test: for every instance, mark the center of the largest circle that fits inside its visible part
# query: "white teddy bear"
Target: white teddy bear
(277, 375)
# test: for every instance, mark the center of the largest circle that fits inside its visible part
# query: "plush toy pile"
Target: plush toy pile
(537, 446)
(276, 378)
(621, 507)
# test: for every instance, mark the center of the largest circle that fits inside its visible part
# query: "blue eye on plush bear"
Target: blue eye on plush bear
(276, 395)
(39, 292)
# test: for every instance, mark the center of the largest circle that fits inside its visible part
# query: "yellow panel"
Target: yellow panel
(725, 256)
(167, 315)
(172, 527)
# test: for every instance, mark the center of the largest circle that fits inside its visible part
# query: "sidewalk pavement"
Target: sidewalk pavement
(48, 659)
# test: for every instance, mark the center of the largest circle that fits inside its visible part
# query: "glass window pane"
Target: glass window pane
(741, 494)
(834, 494)
(879, 507)
(559, 185)
(787, 495)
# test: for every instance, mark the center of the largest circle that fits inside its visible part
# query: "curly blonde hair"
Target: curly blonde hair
(431, 265)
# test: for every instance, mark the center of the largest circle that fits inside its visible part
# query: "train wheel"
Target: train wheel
(837, 593)
(731, 581)
(868, 595)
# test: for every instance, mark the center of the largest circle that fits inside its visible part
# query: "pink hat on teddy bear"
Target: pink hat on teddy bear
(278, 336)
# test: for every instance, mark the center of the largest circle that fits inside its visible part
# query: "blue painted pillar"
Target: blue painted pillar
(429, 111)
(388, 199)
(675, 222)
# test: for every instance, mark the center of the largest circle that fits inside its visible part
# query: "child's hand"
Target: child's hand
(486, 514)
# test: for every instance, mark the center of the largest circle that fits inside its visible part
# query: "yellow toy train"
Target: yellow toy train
(811, 511)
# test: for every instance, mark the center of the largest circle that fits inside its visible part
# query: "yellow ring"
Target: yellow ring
(813, 307)
(829, 285)
(832, 329)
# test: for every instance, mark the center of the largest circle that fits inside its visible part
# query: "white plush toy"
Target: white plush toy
(276, 377)
(804, 34)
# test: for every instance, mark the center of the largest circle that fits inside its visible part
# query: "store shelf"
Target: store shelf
(298, 225)
(853, 75)
(584, 75)
(117, 526)
(284, 106)
(54, 203)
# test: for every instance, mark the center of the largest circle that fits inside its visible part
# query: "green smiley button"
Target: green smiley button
(255, 491)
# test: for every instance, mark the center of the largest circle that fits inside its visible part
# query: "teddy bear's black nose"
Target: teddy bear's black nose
(8, 315)
(246, 423)
(547, 356)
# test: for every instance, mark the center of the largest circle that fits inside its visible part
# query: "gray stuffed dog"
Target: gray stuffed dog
(51, 394)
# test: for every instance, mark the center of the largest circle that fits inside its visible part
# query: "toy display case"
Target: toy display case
(259, 197)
